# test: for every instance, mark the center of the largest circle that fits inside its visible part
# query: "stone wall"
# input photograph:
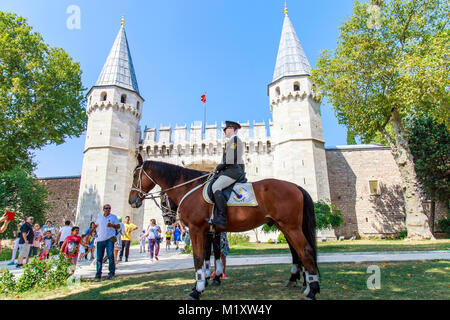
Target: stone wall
(63, 197)
(366, 214)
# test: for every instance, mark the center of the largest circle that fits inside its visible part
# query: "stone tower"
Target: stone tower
(299, 153)
(114, 109)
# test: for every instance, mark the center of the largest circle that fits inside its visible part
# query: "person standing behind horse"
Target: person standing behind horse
(154, 239)
(126, 238)
(106, 226)
(177, 235)
(228, 171)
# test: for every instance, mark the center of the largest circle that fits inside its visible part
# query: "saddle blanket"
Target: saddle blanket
(241, 195)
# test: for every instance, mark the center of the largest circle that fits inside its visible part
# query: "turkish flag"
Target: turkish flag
(204, 98)
(10, 215)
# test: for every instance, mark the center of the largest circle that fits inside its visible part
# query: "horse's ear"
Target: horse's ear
(139, 159)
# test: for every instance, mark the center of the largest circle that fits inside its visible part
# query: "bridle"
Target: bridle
(159, 194)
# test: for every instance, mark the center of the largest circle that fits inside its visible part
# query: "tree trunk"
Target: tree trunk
(432, 215)
(417, 222)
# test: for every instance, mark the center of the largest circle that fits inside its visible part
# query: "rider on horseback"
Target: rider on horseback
(230, 170)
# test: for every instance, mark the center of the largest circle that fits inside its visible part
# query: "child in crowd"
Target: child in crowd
(142, 242)
(46, 244)
(168, 238)
(83, 252)
(70, 246)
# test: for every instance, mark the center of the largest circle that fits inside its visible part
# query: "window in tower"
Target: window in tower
(123, 98)
(137, 106)
(296, 86)
(103, 96)
(277, 90)
(374, 187)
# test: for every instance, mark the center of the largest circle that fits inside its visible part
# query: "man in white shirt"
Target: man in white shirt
(106, 226)
(64, 232)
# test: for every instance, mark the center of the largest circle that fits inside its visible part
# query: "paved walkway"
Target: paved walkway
(174, 260)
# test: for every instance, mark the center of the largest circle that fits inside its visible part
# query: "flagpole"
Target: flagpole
(204, 119)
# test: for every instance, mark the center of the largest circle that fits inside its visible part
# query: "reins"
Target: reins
(159, 194)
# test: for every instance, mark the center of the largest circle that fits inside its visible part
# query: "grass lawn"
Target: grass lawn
(339, 281)
(344, 246)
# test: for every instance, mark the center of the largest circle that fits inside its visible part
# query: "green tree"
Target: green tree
(390, 62)
(351, 137)
(430, 145)
(327, 216)
(41, 94)
(20, 193)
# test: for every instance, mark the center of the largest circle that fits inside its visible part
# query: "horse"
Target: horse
(169, 212)
(282, 203)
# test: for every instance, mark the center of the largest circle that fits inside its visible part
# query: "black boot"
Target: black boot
(221, 204)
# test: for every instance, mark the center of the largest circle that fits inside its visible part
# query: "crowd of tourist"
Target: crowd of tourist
(106, 235)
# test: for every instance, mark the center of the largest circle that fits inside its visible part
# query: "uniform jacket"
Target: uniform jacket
(232, 164)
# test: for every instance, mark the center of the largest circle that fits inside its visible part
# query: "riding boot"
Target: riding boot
(221, 219)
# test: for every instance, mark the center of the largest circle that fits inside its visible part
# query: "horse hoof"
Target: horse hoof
(291, 284)
(215, 283)
(194, 295)
(309, 292)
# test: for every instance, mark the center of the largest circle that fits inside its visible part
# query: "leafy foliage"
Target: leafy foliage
(327, 216)
(401, 64)
(19, 192)
(444, 224)
(236, 238)
(37, 273)
(281, 238)
(430, 145)
(41, 94)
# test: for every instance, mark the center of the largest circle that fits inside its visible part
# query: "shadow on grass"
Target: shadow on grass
(348, 281)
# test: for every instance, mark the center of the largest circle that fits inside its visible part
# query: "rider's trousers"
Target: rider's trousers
(222, 182)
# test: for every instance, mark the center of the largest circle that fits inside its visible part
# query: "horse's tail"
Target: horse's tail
(309, 223)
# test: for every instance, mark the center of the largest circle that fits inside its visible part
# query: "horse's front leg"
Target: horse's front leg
(198, 238)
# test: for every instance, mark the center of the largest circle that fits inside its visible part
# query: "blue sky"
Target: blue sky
(181, 49)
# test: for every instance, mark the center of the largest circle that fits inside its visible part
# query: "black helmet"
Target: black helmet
(232, 124)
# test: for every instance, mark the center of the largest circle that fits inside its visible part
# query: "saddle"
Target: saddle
(240, 193)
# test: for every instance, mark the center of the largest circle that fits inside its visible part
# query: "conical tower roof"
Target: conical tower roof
(118, 69)
(291, 59)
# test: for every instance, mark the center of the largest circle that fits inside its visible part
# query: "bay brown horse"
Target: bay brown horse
(282, 203)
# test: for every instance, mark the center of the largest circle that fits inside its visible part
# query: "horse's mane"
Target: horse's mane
(171, 173)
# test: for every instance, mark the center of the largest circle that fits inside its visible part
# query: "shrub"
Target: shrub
(236, 238)
(37, 273)
(187, 249)
(327, 216)
(281, 238)
(7, 282)
(402, 234)
(444, 225)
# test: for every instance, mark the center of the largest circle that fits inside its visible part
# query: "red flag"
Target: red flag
(204, 98)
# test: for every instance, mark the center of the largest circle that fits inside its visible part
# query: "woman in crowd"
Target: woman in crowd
(154, 238)
(177, 235)
(16, 244)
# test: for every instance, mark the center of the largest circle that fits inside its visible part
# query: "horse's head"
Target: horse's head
(142, 184)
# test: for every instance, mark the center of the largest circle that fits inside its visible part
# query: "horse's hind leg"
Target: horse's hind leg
(198, 238)
(305, 252)
(296, 268)
(218, 263)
